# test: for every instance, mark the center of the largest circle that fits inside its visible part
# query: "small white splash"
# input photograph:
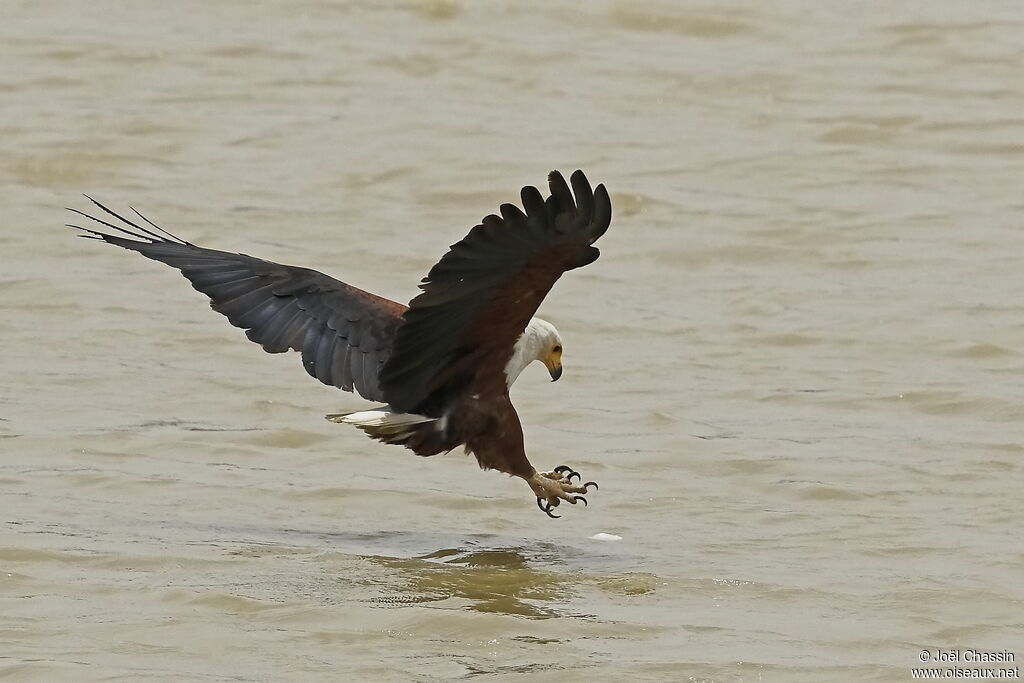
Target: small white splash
(605, 537)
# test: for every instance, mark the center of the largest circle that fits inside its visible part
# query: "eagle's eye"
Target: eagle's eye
(557, 349)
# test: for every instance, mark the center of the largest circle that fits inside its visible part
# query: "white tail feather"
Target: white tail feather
(383, 424)
(379, 418)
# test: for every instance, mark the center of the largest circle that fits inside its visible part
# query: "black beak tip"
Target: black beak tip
(556, 372)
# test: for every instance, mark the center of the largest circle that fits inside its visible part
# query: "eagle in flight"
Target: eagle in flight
(443, 365)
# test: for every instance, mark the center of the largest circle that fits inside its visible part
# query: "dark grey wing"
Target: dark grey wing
(343, 333)
(477, 300)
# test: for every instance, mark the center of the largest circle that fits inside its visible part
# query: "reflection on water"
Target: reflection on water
(495, 580)
(479, 572)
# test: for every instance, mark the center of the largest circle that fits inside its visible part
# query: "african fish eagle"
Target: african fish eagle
(442, 366)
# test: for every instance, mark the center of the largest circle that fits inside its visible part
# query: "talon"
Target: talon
(592, 483)
(551, 488)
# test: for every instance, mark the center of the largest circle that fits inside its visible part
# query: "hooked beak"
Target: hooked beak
(554, 364)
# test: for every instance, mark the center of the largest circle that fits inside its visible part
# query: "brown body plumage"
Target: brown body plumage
(443, 365)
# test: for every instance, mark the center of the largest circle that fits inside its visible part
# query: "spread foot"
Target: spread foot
(551, 488)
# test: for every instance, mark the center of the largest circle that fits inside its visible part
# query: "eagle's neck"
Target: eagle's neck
(535, 338)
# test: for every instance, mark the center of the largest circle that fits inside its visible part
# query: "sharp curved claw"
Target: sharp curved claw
(592, 483)
(574, 474)
(561, 469)
(546, 509)
(580, 499)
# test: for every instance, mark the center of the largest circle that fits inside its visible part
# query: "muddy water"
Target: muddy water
(796, 369)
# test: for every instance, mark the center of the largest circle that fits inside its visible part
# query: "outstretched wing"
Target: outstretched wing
(343, 333)
(477, 300)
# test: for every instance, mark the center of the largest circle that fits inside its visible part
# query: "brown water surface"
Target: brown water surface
(796, 370)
